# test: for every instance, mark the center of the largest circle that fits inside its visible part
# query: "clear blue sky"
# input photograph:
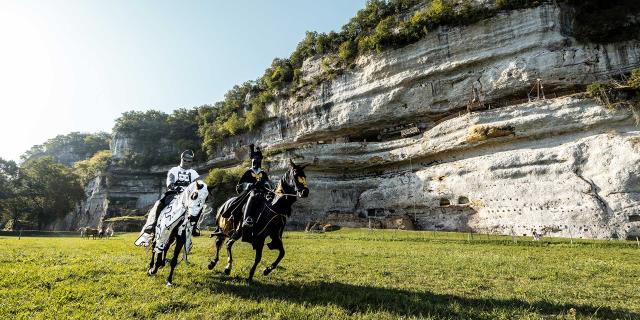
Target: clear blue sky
(76, 65)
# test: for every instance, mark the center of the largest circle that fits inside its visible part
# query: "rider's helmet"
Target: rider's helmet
(186, 158)
(187, 154)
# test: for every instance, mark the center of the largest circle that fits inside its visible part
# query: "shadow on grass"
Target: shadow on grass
(358, 298)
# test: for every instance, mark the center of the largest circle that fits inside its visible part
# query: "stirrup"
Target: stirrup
(247, 223)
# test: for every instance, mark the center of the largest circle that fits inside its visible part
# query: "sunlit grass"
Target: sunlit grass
(348, 273)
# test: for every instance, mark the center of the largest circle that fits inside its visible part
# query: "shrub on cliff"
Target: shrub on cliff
(87, 169)
(634, 79)
(223, 182)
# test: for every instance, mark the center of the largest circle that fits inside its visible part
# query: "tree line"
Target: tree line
(37, 192)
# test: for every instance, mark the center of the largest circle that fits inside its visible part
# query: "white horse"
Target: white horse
(174, 223)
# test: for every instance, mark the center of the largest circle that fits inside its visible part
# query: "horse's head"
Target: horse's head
(196, 194)
(296, 178)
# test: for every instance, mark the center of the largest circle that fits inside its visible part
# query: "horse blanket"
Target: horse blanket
(188, 203)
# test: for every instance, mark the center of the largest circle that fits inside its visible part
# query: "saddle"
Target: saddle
(233, 207)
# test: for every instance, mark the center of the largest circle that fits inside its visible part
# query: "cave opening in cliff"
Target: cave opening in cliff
(444, 202)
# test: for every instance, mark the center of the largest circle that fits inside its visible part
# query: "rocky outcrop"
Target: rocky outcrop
(448, 133)
(115, 193)
(485, 159)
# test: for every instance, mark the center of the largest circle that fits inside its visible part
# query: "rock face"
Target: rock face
(452, 133)
(115, 193)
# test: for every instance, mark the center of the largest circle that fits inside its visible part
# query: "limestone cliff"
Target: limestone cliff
(448, 133)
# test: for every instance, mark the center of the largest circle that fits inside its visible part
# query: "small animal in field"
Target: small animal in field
(91, 232)
(82, 230)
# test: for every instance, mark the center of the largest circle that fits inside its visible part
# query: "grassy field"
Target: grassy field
(344, 274)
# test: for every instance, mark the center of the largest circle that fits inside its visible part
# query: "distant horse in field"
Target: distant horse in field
(82, 231)
(270, 221)
(91, 232)
(174, 224)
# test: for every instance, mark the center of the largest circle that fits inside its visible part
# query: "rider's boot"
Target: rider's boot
(152, 228)
(195, 232)
(217, 232)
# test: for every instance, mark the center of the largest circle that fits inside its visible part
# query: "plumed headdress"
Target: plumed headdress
(256, 153)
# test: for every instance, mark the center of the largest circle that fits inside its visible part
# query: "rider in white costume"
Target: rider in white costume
(178, 178)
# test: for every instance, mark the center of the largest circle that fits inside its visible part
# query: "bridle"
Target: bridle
(290, 177)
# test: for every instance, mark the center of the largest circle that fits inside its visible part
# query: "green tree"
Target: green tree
(232, 125)
(50, 191)
(278, 75)
(11, 203)
(347, 51)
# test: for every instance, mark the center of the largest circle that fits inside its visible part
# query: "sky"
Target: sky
(77, 65)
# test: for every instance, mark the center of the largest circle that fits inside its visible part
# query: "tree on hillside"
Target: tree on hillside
(11, 186)
(50, 190)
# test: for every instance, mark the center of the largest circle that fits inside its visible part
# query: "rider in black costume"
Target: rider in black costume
(257, 181)
(254, 184)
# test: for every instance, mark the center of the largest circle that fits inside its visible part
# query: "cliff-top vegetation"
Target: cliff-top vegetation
(379, 26)
(69, 148)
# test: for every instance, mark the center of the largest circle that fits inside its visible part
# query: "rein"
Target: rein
(281, 194)
(281, 183)
(284, 218)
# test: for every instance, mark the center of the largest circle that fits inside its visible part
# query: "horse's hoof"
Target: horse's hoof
(150, 272)
(227, 271)
(267, 271)
(211, 265)
(169, 284)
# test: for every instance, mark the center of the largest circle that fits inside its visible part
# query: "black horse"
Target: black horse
(271, 218)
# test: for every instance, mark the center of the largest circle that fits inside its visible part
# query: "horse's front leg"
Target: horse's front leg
(276, 243)
(227, 269)
(150, 270)
(257, 245)
(218, 244)
(159, 262)
(174, 260)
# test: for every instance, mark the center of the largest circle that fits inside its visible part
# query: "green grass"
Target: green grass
(344, 274)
